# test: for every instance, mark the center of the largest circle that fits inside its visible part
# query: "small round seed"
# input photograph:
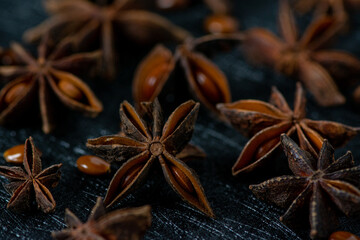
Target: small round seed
(152, 81)
(221, 24)
(182, 179)
(15, 92)
(207, 87)
(70, 90)
(15, 155)
(92, 165)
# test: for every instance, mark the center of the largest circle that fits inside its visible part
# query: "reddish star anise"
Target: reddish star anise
(125, 224)
(337, 8)
(148, 140)
(265, 122)
(43, 79)
(206, 81)
(31, 185)
(323, 186)
(302, 57)
(89, 23)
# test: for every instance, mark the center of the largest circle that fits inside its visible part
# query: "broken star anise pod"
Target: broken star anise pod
(43, 79)
(265, 122)
(90, 23)
(31, 186)
(206, 81)
(303, 57)
(322, 185)
(148, 140)
(125, 224)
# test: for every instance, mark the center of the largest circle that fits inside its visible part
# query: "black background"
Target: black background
(239, 215)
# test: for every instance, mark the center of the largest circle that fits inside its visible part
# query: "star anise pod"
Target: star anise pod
(265, 122)
(148, 140)
(32, 185)
(125, 224)
(89, 23)
(324, 186)
(303, 57)
(206, 81)
(44, 79)
(337, 8)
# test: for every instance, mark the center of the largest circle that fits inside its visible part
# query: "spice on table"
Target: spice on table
(221, 24)
(43, 79)
(149, 141)
(15, 154)
(304, 57)
(31, 185)
(206, 81)
(324, 185)
(89, 23)
(126, 224)
(92, 165)
(265, 122)
(221, 20)
(338, 8)
(342, 235)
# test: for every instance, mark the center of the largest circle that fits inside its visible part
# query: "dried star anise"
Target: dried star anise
(89, 23)
(125, 224)
(337, 8)
(265, 122)
(148, 140)
(32, 185)
(206, 81)
(324, 186)
(302, 57)
(44, 79)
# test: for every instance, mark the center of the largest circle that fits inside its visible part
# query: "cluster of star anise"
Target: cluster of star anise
(84, 33)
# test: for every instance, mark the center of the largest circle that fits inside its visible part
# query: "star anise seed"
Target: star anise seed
(43, 79)
(323, 186)
(303, 57)
(206, 81)
(125, 224)
(88, 22)
(265, 122)
(148, 140)
(31, 185)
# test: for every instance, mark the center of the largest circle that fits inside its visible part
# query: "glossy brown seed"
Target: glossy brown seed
(15, 154)
(221, 24)
(70, 89)
(208, 87)
(342, 235)
(15, 92)
(182, 179)
(133, 172)
(152, 81)
(92, 165)
(265, 148)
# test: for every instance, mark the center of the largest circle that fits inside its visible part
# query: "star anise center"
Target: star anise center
(42, 66)
(289, 60)
(156, 148)
(317, 176)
